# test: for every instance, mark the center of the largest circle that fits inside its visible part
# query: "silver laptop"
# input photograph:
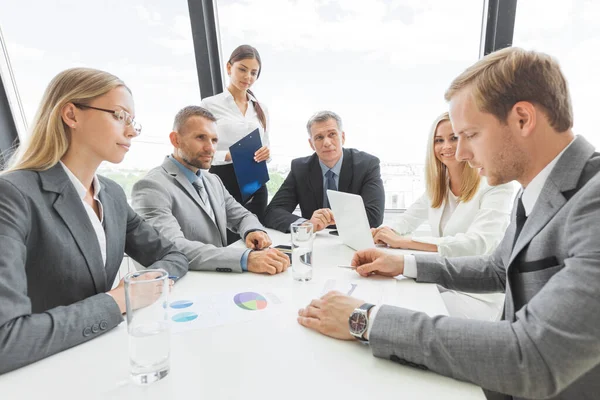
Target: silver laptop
(351, 219)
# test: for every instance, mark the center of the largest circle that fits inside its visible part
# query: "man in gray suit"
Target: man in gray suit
(512, 114)
(193, 209)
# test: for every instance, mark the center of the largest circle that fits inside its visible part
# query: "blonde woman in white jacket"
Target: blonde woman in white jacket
(467, 216)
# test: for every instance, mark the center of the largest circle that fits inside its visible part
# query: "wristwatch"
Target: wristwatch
(359, 321)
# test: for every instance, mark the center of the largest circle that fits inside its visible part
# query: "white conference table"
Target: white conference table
(272, 358)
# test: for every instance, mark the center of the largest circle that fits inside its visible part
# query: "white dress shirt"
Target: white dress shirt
(232, 125)
(96, 222)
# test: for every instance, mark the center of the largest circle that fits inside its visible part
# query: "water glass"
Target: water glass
(303, 236)
(146, 297)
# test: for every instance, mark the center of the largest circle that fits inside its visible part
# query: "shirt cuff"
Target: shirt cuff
(372, 314)
(410, 267)
(244, 260)
(300, 220)
(253, 230)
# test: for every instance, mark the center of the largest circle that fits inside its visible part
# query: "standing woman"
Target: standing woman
(238, 113)
(64, 229)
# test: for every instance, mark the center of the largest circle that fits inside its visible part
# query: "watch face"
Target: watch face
(358, 323)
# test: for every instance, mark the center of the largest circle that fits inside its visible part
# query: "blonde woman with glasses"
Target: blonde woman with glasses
(64, 229)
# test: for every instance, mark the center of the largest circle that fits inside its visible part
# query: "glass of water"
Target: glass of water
(146, 297)
(303, 236)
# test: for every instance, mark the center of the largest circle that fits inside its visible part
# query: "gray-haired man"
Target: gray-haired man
(330, 167)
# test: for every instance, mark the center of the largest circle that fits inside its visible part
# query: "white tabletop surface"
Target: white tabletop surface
(273, 358)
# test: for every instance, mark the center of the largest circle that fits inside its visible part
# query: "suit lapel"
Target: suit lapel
(563, 178)
(315, 180)
(220, 216)
(111, 229)
(550, 201)
(69, 207)
(435, 218)
(346, 172)
(185, 184)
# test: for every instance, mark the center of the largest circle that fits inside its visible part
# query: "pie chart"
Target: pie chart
(184, 316)
(250, 301)
(181, 304)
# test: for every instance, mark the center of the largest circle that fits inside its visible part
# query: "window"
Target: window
(383, 66)
(568, 31)
(147, 44)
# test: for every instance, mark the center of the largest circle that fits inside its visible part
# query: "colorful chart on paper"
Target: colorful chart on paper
(184, 316)
(181, 304)
(250, 301)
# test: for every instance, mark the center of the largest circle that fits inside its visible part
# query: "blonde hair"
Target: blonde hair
(49, 138)
(436, 173)
(507, 76)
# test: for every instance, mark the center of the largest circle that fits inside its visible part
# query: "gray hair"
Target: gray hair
(191, 111)
(323, 116)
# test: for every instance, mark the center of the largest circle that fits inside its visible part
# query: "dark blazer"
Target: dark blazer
(360, 175)
(52, 280)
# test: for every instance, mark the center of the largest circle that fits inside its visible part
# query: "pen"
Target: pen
(173, 277)
(346, 266)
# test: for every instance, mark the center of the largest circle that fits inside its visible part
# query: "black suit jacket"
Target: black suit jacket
(360, 175)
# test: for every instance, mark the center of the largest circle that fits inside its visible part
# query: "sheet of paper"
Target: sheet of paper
(371, 290)
(209, 310)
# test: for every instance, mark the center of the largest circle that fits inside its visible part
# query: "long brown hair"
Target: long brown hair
(436, 173)
(246, 52)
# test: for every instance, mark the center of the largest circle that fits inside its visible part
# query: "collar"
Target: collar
(336, 168)
(228, 95)
(532, 192)
(189, 174)
(79, 188)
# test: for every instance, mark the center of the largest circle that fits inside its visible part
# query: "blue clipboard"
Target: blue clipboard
(250, 174)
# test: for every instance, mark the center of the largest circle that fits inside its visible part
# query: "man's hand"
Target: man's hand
(322, 218)
(376, 262)
(329, 315)
(387, 236)
(258, 240)
(268, 261)
(262, 154)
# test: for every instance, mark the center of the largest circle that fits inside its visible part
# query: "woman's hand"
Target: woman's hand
(385, 235)
(262, 154)
(140, 295)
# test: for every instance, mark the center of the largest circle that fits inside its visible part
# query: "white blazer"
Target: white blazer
(474, 228)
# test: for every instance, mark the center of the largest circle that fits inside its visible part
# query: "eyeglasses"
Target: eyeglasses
(120, 115)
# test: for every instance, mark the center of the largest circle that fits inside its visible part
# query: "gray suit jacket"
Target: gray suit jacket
(52, 281)
(167, 199)
(548, 344)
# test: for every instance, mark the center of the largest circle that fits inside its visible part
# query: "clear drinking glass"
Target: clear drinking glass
(303, 236)
(146, 297)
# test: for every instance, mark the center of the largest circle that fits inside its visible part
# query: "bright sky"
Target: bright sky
(382, 65)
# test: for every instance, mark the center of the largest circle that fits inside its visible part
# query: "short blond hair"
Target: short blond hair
(50, 136)
(436, 173)
(505, 77)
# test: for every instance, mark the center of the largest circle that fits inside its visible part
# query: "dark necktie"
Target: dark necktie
(520, 219)
(329, 185)
(204, 197)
